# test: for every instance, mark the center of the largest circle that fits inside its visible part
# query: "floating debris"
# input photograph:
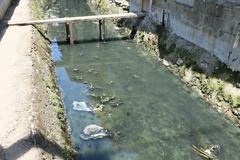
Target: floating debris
(136, 76)
(99, 108)
(111, 100)
(105, 99)
(116, 103)
(81, 54)
(90, 70)
(94, 132)
(116, 28)
(165, 63)
(75, 70)
(85, 82)
(110, 82)
(208, 153)
(55, 24)
(92, 87)
(95, 72)
(80, 78)
(94, 95)
(81, 106)
(96, 57)
(110, 115)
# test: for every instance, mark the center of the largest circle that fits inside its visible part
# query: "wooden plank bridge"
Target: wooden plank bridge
(68, 21)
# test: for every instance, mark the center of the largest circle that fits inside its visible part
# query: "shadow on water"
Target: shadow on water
(94, 40)
(38, 140)
(7, 17)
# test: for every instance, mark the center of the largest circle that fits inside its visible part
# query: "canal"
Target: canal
(153, 115)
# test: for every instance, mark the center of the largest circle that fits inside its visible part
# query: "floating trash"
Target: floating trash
(81, 106)
(110, 82)
(136, 76)
(99, 108)
(94, 132)
(93, 95)
(90, 70)
(81, 54)
(75, 70)
(116, 28)
(116, 103)
(208, 153)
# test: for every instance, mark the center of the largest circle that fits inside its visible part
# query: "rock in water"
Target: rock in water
(81, 106)
(94, 132)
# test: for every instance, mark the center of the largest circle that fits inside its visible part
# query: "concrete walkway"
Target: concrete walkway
(15, 89)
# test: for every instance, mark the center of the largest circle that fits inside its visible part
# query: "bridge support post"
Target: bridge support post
(69, 32)
(101, 30)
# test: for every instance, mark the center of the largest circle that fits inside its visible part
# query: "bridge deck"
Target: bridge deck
(82, 18)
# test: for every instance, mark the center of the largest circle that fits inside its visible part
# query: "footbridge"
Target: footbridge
(68, 21)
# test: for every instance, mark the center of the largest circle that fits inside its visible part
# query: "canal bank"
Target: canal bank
(199, 69)
(33, 123)
(50, 116)
(150, 112)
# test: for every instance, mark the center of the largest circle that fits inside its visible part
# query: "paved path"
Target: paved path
(15, 89)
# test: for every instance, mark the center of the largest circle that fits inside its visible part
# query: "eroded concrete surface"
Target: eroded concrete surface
(211, 25)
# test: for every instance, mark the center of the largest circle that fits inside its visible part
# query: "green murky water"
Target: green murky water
(159, 119)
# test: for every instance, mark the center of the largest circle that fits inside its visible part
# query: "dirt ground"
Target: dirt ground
(30, 128)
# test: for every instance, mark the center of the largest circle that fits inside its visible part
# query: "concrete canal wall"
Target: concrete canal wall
(213, 25)
(4, 4)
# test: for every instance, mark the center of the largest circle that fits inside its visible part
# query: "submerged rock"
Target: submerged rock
(93, 131)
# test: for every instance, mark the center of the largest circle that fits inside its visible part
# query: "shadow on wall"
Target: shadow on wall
(7, 16)
(37, 140)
